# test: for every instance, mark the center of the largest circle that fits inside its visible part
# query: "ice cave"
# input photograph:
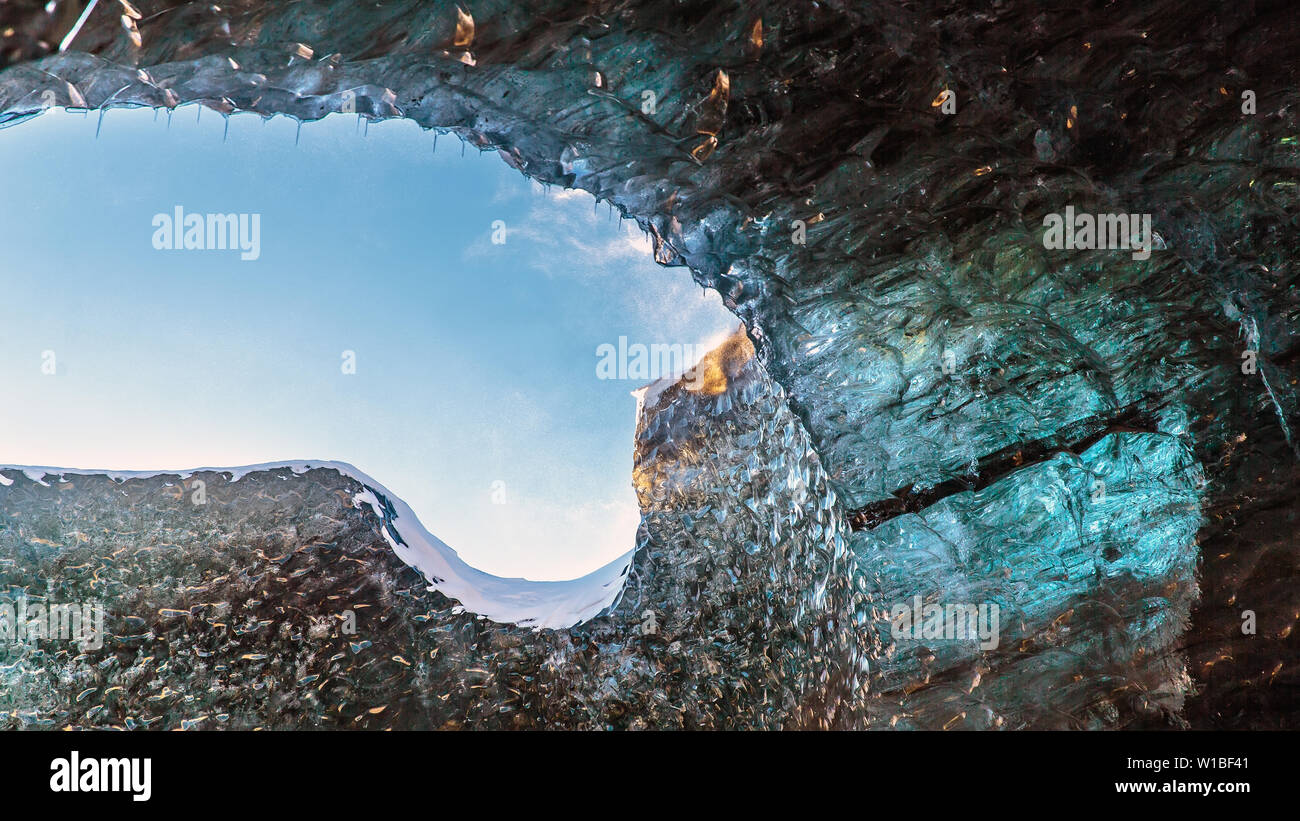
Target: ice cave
(929, 408)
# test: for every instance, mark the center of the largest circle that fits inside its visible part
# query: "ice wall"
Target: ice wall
(885, 243)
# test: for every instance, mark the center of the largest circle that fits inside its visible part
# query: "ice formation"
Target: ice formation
(1105, 446)
(512, 601)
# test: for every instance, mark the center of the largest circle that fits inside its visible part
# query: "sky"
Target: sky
(379, 324)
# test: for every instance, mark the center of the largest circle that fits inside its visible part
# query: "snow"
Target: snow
(647, 396)
(554, 605)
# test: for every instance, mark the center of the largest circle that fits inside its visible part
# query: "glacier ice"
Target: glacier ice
(934, 393)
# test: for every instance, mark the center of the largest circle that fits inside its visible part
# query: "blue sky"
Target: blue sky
(475, 362)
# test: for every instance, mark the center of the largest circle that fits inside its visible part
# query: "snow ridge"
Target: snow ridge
(539, 605)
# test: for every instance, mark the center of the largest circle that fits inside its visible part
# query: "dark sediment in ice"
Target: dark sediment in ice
(236, 612)
(922, 336)
(750, 603)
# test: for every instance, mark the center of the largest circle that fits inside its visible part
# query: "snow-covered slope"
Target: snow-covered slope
(512, 601)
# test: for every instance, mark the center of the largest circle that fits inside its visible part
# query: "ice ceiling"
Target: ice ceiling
(963, 389)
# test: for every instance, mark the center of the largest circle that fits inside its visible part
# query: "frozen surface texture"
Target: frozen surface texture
(962, 387)
(737, 610)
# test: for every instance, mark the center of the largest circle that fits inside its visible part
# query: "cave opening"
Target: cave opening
(237, 291)
(1100, 445)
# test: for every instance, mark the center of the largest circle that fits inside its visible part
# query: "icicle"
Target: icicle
(76, 27)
